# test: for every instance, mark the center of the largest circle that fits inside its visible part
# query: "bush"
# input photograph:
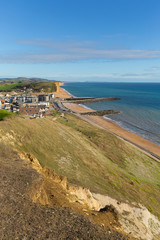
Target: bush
(4, 113)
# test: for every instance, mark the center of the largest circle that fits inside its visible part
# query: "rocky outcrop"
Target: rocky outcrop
(135, 219)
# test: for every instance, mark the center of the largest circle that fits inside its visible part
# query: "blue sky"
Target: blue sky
(81, 40)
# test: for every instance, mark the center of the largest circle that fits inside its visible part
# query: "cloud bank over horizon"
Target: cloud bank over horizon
(48, 51)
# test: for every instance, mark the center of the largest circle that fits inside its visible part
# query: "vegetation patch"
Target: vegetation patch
(88, 156)
(47, 86)
(4, 114)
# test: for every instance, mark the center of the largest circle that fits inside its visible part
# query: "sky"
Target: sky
(81, 40)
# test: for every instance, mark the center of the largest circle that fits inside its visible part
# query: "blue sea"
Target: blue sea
(139, 105)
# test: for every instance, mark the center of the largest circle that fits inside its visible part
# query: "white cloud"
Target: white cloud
(55, 52)
(156, 68)
(110, 76)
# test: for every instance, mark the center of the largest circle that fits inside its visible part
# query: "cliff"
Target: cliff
(106, 182)
(35, 205)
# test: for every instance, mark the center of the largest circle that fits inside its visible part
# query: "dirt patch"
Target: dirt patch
(135, 219)
(21, 218)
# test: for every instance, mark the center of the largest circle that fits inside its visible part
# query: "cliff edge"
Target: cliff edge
(23, 218)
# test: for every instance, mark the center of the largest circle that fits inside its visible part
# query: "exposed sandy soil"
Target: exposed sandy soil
(62, 93)
(113, 127)
(76, 107)
(21, 218)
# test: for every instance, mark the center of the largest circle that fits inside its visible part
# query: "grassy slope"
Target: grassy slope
(88, 156)
(36, 86)
(8, 86)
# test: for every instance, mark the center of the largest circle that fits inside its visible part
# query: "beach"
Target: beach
(146, 146)
(62, 93)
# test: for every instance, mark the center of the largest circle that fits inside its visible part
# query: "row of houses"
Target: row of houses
(35, 111)
(31, 105)
(31, 98)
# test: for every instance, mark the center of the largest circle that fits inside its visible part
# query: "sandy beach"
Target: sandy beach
(145, 145)
(62, 93)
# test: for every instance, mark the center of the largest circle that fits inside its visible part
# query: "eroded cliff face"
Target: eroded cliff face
(21, 218)
(53, 189)
(137, 220)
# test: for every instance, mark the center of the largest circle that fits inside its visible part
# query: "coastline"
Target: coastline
(144, 145)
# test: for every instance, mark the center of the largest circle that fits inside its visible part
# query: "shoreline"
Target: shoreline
(144, 145)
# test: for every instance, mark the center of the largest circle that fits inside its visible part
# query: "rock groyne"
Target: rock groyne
(90, 100)
(100, 113)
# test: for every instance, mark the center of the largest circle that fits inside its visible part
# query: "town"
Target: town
(39, 104)
(32, 97)
(33, 105)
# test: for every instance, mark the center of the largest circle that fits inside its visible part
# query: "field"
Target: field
(47, 86)
(88, 156)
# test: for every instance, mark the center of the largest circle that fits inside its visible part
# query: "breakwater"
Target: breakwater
(100, 113)
(79, 98)
(90, 100)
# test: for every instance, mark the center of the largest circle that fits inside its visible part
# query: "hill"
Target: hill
(89, 157)
(21, 218)
(35, 86)
(23, 79)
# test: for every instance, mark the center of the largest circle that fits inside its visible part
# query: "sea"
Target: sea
(139, 105)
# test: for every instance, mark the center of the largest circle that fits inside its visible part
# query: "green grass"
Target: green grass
(22, 79)
(8, 86)
(88, 156)
(105, 141)
(35, 86)
(4, 114)
(55, 113)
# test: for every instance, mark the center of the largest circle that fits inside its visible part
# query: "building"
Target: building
(25, 99)
(34, 111)
(31, 111)
(34, 99)
(2, 101)
(14, 107)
